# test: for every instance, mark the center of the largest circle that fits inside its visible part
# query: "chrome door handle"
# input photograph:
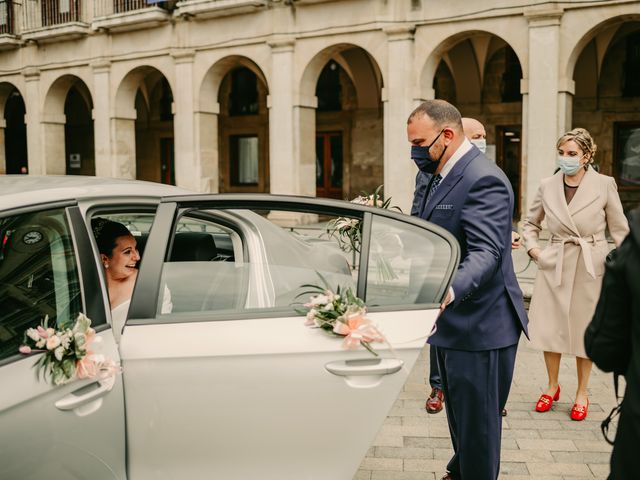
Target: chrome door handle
(76, 398)
(365, 366)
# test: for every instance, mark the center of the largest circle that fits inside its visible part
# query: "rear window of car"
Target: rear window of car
(38, 275)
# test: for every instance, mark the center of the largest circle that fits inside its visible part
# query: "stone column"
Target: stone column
(101, 108)
(187, 168)
(544, 117)
(3, 159)
(284, 165)
(206, 139)
(123, 144)
(32, 119)
(54, 143)
(399, 171)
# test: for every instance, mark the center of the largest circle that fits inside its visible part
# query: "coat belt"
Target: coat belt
(583, 242)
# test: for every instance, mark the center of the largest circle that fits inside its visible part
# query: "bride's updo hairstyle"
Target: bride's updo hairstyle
(106, 232)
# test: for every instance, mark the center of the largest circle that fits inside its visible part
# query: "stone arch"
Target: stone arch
(486, 73)
(607, 98)
(602, 32)
(483, 44)
(215, 129)
(143, 130)
(59, 135)
(356, 130)
(13, 132)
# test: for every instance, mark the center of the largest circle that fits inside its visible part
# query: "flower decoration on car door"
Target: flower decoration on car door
(66, 353)
(342, 313)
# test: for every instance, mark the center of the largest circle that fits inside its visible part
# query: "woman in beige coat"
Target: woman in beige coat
(579, 204)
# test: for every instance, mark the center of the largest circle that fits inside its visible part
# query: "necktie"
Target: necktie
(434, 186)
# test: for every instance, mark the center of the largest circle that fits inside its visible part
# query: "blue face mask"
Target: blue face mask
(423, 159)
(568, 165)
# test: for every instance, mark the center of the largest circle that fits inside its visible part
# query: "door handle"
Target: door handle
(78, 398)
(365, 367)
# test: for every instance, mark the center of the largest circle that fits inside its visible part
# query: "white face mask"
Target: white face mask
(481, 143)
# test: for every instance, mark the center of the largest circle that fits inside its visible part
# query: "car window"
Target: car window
(38, 275)
(407, 264)
(241, 260)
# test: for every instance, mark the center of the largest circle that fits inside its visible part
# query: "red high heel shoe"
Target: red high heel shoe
(545, 401)
(579, 412)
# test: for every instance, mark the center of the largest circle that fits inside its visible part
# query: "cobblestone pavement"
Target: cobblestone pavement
(413, 445)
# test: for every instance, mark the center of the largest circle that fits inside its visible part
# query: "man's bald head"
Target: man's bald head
(473, 129)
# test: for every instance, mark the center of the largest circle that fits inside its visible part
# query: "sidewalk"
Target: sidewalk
(413, 445)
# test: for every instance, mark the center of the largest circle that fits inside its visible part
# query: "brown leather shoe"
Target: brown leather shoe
(447, 476)
(503, 412)
(434, 402)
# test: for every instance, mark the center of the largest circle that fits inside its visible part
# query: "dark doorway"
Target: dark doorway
(166, 161)
(508, 155)
(329, 164)
(78, 135)
(15, 134)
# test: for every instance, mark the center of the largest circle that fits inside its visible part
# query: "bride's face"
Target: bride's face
(124, 256)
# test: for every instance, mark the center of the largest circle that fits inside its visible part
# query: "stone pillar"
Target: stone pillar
(399, 170)
(101, 108)
(285, 177)
(544, 118)
(3, 159)
(304, 118)
(32, 119)
(187, 168)
(206, 139)
(123, 144)
(54, 143)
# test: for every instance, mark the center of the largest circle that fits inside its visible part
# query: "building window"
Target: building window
(244, 92)
(510, 85)
(329, 90)
(244, 156)
(627, 154)
(631, 77)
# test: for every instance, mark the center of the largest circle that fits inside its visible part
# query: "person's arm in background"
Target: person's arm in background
(533, 225)
(422, 180)
(616, 221)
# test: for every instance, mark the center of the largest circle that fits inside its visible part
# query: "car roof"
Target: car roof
(24, 190)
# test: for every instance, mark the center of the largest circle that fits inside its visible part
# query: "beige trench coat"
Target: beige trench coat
(571, 265)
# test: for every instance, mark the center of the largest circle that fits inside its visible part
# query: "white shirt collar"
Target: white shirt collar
(464, 147)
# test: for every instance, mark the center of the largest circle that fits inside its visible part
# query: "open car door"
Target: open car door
(223, 379)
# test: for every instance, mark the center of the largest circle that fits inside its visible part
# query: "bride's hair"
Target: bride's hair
(106, 232)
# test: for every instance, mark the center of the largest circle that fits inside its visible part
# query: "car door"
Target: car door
(74, 430)
(231, 383)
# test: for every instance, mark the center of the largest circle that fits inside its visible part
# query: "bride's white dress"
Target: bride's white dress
(119, 313)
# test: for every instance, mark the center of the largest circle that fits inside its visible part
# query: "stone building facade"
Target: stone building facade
(310, 97)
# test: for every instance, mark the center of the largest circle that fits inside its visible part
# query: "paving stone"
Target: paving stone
(418, 465)
(403, 476)
(374, 464)
(565, 469)
(514, 468)
(546, 444)
(582, 457)
(405, 452)
(600, 470)
(593, 445)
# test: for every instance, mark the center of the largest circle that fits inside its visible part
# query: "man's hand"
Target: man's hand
(515, 240)
(447, 300)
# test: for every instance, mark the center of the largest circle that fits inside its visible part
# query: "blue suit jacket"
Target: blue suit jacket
(474, 202)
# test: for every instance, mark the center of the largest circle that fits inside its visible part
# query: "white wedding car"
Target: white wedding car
(230, 384)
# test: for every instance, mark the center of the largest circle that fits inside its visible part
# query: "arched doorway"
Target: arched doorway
(607, 102)
(243, 131)
(154, 130)
(349, 123)
(15, 133)
(481, 74)
(78, 132)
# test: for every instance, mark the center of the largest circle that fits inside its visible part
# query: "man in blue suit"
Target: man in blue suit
(483, 313)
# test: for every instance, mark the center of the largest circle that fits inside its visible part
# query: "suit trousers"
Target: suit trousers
(476, 386)
(434, 372)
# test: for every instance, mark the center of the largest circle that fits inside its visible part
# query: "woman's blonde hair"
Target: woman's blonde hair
(584, 140)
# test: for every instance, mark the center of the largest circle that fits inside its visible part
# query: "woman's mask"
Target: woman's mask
(568, 165)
